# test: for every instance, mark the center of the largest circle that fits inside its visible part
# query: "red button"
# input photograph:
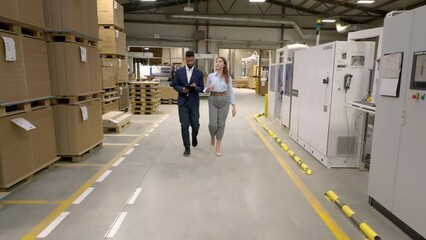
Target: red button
(414, 96)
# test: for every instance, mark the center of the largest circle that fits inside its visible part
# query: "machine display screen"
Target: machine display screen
(418, 75)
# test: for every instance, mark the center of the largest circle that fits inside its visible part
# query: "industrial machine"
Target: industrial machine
(325, 78)
(280, 89)
(397, 181)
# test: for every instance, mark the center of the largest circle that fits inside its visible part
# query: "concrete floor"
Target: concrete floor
(139, 186)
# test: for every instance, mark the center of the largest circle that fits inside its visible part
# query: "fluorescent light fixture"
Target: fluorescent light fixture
(328, 20)
(257, 0)
(365, 1)
(145, 48)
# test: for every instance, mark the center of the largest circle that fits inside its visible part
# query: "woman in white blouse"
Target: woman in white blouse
(219, 84)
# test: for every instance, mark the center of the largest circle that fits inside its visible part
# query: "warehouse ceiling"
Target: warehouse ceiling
(271, 13)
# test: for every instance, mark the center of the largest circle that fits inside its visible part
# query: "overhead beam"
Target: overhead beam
(355, 7)
(145, 6)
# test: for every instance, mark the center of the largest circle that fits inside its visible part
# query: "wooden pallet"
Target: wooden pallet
(110, 93)
(122, 84)
(110, 26)
(142, 104)
(28, 177)
(15, 28)
(69, 38)
(168, 101)
(76, 99)
(79, 157)
(8, 109)
(113, 56)
(141, 112)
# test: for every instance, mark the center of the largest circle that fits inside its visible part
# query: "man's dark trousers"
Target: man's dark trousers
(189, 116)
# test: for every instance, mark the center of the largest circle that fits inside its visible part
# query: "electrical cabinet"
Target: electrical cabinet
(325, 78)
(397, 182)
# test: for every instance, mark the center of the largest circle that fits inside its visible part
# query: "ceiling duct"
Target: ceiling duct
(245, 19)
(347, 28)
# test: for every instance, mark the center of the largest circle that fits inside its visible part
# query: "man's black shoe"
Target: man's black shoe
(187, 152)
(194, 141)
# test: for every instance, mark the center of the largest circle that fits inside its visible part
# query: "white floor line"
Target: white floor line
(146, 135)
(83, 195)
(152, 130)
(53, 225)
(129, 151)
(105, 175)
(135, 195)
(116, 225)
(137, 144)
(156, 125)
(118, 162)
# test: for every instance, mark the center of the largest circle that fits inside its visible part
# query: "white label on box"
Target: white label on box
(119, 63)
(121, 91)
(23, 123)
(83, 53)
(115, 5)
(10, 49)
(84, 113)
(116, 34)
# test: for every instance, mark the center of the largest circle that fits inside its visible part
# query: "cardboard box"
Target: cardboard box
(13, 85)
(65, 15)
(36, 68)
(110, 12)
(168, 93)
(121, 67)
(251, 83)
(108, 77)
(16, 151)
(91, 16)
(97, 134)
(31, 12)
(112, 41)
(9, 9)
(124, 101)
(69, 75)
(109, 106)
(95, 74)
(43, 137)
(74, 135)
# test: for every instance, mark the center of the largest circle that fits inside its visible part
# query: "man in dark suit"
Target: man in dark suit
(189, 83)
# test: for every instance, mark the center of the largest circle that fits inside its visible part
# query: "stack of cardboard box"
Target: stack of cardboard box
(27, 138)
(75, 74)
(112, 46)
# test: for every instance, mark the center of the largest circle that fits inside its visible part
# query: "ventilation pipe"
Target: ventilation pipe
(252, 20)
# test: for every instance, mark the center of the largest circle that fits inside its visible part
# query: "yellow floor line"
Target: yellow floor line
(33, 233)
(315, 204)
(78, 165)
(30, 202)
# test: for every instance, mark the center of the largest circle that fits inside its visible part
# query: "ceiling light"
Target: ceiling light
(328, 20)
(365, 1)
(188, 8)
(148, 0)
(257, 0)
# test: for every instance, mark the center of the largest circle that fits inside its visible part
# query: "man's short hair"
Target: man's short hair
(189, 54)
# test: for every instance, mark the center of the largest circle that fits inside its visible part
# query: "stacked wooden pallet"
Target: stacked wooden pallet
(116, 121)
(145, 97)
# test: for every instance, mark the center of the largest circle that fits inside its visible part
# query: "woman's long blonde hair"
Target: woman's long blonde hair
(225, 69)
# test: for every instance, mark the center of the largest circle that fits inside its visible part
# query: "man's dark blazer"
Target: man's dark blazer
(181, 81)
